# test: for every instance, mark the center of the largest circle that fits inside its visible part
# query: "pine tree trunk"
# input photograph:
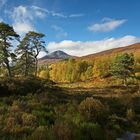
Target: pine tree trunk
(36, 66)
(26, 66)
(6, 61)
(9, 70)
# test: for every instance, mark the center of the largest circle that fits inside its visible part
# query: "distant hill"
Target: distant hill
(134, 48)
(90, 68)
(54, 57)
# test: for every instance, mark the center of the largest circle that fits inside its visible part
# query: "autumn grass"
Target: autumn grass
(48, 111)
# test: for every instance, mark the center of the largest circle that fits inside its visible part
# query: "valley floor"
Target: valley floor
(36, 109)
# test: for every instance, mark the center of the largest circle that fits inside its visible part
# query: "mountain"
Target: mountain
(134, 48)
(90, 68)
(54, 57)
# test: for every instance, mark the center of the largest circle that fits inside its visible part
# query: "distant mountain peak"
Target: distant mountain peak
(57, 55)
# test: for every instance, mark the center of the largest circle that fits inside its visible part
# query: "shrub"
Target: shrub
(91, 131)
(130, 114)
(39, 133)
(10, 123)
(92, 109)
(63, 130)
(28, 119)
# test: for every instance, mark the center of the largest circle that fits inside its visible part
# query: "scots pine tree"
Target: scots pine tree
(7, 35)
(123, 67)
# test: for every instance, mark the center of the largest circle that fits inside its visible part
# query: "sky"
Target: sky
(78, 27)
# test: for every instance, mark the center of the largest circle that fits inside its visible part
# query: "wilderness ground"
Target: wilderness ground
(36, 109)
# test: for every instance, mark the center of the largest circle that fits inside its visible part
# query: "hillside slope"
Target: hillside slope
(94, 68)
(134, 48)
(56, 56)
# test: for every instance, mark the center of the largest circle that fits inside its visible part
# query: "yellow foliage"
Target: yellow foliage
(44, 74)
(130, 114)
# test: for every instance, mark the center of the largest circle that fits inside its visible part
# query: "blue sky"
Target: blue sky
(78, 27)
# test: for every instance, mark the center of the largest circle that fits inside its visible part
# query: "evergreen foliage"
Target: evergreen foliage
(123, 67)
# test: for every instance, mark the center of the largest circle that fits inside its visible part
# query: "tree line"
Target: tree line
(123, 67)
(22, 58)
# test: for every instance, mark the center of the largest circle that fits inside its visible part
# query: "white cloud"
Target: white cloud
(2, 3)
(41, 54)
(33, 12)
(60, 33)
(22, 19)
(24, 16)
(58, 14)
(48, 12)
(79, 48)
(106, 25)
(22, 28)
(54, 13)
(76, 15)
